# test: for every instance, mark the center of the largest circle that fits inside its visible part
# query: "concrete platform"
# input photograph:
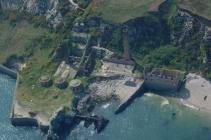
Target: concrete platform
(127, 94)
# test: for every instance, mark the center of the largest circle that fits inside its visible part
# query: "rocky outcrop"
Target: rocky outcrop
(51, 9)
(99, 122)
(187, 29)
(39, 7)
(60, 123)
(86, 105)
(64, 120)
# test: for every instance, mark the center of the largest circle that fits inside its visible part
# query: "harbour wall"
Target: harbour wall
(125, 104)
(9, 72)
(24, 122)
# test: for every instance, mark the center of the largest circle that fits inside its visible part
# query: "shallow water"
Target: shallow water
(148, 118)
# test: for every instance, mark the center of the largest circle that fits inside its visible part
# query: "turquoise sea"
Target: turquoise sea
(148, 118)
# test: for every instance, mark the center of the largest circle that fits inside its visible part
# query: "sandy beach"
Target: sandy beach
(196, 93)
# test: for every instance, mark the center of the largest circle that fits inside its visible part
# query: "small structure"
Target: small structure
(162, 79)
(80, 37)
(102, 52)
(76, 86)
(45, 81)
(126, 44)
(61, 83)
(207, 35)
(118, 66)
(80, 26)
(130, 83)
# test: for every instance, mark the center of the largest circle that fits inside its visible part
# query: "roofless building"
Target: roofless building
(162, 79)
(45, 81)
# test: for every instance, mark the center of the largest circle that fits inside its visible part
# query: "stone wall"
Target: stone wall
(160, 83)
(24, 122)
(17, 121)
(8, 72)
(125, 104)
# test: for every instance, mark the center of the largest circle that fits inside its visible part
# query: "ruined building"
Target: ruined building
(162, 79)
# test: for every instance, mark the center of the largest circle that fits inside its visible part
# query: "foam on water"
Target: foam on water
(191, 106)
(106, 105)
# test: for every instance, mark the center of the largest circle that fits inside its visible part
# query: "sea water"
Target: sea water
(147, 118)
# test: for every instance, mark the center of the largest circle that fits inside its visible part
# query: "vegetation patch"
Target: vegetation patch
(198, 7)
(119, 11)
(36, 46)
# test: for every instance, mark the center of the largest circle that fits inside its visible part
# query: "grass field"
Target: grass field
(198, 7)
(23, 39)
(119, 11)
(13, 39)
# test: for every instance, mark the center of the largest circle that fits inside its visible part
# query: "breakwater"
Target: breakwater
(130, 99)
(9, 72)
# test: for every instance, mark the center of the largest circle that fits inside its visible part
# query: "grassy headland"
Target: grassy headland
(119, 11)
(36, 45)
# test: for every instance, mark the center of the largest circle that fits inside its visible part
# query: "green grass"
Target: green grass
(119, 11)
(199, 7)
(13, 39)
(36, 45)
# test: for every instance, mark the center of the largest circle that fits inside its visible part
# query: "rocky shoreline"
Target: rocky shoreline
(65, 119)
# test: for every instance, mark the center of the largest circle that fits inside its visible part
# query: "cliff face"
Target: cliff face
(47, 8)
(11, 4)
(32, 6)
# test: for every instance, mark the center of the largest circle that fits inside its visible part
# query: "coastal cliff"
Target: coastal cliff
(54, 11)
(75, 48)
(31, 6)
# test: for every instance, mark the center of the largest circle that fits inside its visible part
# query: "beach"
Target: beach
(196, 93)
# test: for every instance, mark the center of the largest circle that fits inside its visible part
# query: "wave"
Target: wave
(165, 102)
(191, 106)
(106, 105)
(149, 94)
